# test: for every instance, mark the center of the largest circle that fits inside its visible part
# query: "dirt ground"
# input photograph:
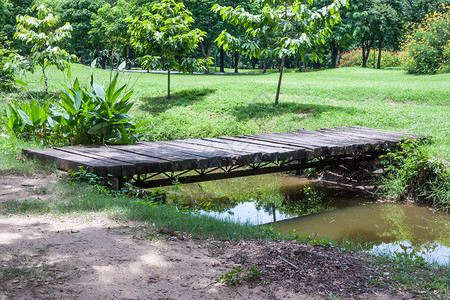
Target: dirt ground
(94, 257)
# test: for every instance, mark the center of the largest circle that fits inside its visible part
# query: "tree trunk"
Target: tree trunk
(380, 44)
(45, 78)
(168, 83)
(236, 61)
(265, 65)
(103, 62)
(374, 52)
(277, 96)
(365, 53)
(206, 52)
(335, 51)
(222, 65)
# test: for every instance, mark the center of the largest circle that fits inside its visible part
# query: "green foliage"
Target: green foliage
(429, 281)
(87, 116)
(414, 173)
(389, 59)
(166, 33)
(238, 275)
(428, 46)
(28, 119)
(40, 32)
(297, 30)
(6, 75)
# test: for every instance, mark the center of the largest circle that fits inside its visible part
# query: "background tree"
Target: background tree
(79, 14)
(42, 34)
(166, 33)
(301, 28)
(109, 29)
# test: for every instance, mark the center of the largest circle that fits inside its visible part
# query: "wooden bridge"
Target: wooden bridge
(150, 164)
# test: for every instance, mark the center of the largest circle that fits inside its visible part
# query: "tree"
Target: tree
(302, 29)
(109, 28)
(79, 13)
(41, 33)
(167, 34)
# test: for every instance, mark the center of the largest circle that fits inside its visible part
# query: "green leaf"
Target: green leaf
(122, 66)
(21, 82)
(99, 92)
(100, 128)
(24, 117)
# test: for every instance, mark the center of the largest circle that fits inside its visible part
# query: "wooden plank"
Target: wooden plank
(348, 146)
(141, 164)
(317, 149)
(400, 135)
(389, 135)
(178, 162)
(228, 157)
(215, 159)
(254, 156)
(378, 142)
(298, 153)
(125, 167)
(335, 148)
(270, 153)
(67, 161)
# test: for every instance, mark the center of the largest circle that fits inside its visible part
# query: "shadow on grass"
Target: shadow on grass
(260, 110)
(160, 104)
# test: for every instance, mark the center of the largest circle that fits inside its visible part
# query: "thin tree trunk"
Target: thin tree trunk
(374, 52)
(265, 65)
(103, 62)
(168, 83)
(279, 81)
(380, 44)
(335, 51)
(45, 78)
(222, 65)
(236, 61)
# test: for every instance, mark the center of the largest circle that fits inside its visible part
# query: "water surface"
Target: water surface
(326, 210)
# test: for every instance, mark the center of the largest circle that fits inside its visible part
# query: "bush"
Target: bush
(6, 76)
(353, 58)
(87, 116)
(414, 174)
(428, 46)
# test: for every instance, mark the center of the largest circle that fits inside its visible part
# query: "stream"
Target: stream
(292, 204)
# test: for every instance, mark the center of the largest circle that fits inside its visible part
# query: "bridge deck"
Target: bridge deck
(226, 154)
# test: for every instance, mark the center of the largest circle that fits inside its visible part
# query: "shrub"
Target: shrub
(6, 75)
(353, 58)
(414, 174)
(87, 116)
(428, 46)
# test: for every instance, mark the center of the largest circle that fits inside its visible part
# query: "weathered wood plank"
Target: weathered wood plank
(270, 153)
(141, 164)
(178, 162)
(67, 161)
(312, 150)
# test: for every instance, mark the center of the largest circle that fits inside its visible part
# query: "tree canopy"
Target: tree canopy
(166, 33)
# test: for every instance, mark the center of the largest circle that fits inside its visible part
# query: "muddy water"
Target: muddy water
(290, 203)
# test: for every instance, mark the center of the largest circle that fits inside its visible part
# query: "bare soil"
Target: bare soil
(94, 257)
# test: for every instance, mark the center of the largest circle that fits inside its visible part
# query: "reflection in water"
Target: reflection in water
(323, 209)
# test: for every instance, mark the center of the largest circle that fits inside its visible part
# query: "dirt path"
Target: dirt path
(94, 257)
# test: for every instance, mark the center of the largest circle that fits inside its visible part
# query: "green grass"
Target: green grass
(430, 281)
(81, 199)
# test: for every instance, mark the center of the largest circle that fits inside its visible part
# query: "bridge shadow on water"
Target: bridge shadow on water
(258, 110)
(160, 104)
